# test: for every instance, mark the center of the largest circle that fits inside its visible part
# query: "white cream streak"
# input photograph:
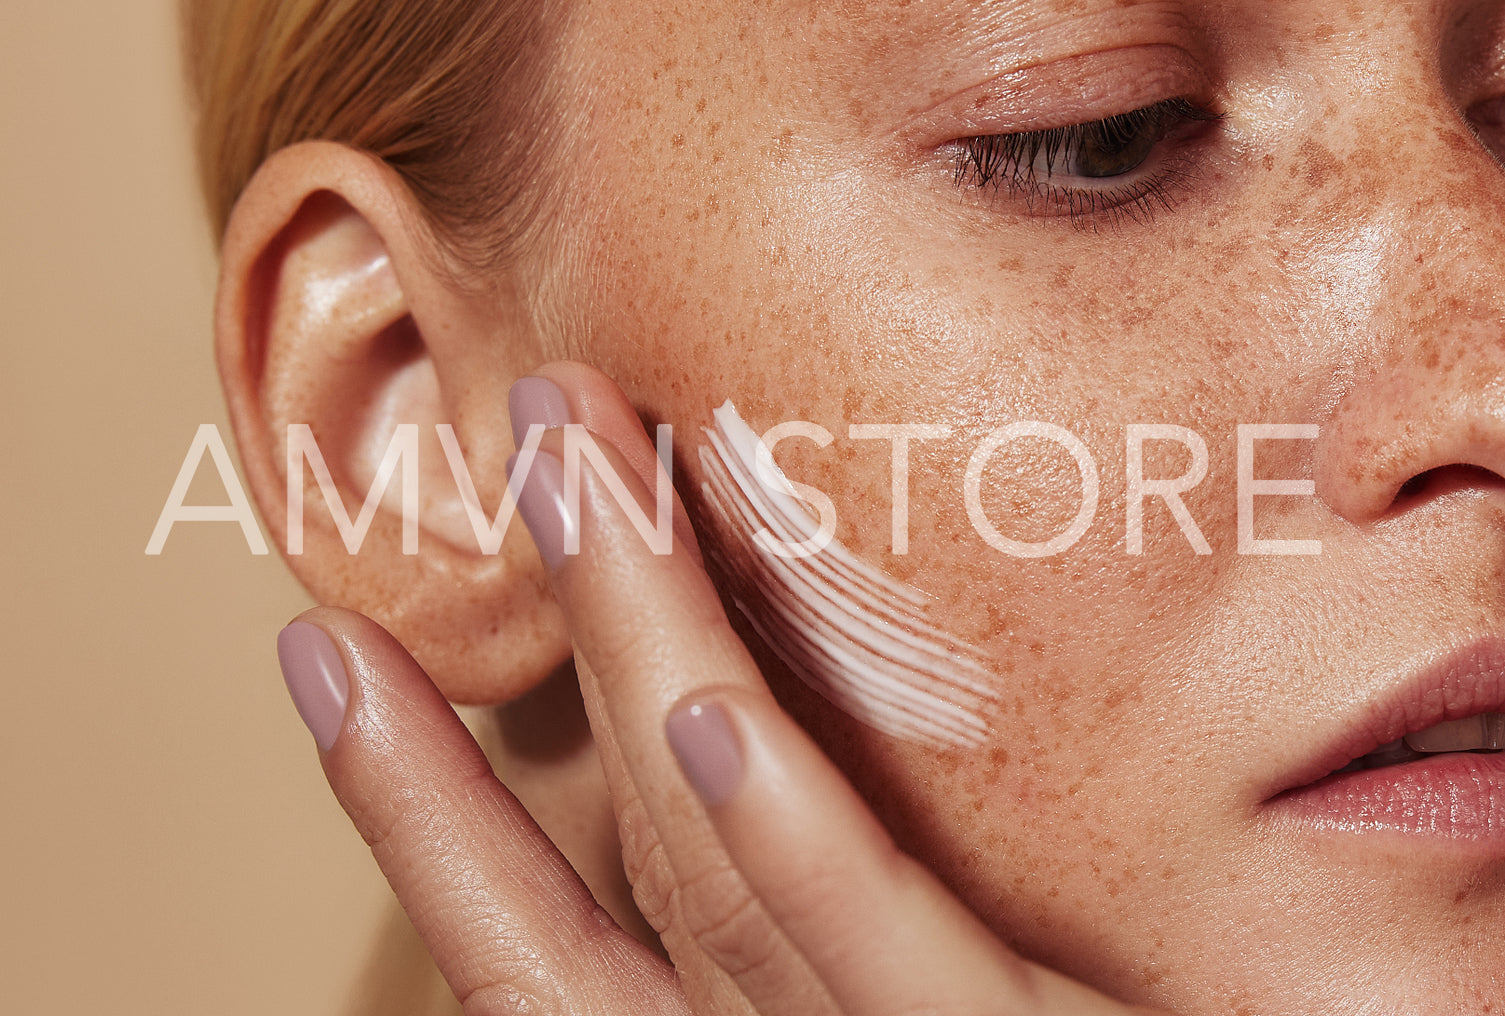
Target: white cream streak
(858, 637)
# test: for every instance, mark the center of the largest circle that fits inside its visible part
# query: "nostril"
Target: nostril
(1445, 480)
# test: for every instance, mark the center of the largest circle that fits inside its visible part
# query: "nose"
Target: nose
(1420, 414)
(1413, 434)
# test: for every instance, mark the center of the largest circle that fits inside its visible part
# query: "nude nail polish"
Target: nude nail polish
(315, 675)
(535, 400)
(541, 503)
(703, 741)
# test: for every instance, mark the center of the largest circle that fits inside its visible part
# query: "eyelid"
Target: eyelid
(1488, 113)
(1168, 118)
(1478, 58)
(1009, 166)
(1063, 93)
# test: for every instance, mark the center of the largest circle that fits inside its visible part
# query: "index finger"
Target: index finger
(507, 921)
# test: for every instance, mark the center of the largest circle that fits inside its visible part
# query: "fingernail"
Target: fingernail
(702, 740)
(535, 400)
(541, 503)
(316, 679)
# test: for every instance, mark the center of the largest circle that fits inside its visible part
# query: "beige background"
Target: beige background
(167, 842)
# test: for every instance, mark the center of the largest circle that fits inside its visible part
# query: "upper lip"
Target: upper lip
(1465, 682)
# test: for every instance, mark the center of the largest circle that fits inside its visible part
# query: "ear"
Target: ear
(338, 311)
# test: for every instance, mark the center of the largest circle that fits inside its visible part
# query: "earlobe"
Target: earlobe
(344, 343)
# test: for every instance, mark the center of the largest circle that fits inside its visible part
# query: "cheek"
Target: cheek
(1097, 694)
(862, 639)
(839, 329)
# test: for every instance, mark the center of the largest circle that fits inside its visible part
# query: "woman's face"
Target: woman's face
(779, 204)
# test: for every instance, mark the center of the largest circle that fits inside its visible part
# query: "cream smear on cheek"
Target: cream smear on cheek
(858, 637)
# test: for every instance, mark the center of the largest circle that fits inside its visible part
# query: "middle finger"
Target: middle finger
(649, 630)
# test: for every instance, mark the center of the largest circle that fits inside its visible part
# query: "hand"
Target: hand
(774, 888)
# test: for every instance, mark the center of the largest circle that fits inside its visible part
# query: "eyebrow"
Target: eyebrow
(934, 45)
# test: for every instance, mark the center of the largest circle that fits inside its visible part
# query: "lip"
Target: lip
(1456, 795)
(1414, 796)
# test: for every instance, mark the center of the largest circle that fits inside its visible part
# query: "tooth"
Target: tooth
(1388, 754)
(1487, 731)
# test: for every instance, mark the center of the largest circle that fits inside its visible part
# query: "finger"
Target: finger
(509, 924)
(877, 931)
(573, 392)
(634, 663)
(594, 401)
(880, 930)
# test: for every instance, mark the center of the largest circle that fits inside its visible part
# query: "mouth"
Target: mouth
(1426, 757)
(1483, 733)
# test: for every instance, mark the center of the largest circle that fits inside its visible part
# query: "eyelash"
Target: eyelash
(1009, 162)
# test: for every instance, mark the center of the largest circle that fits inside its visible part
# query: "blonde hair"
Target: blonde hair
(450, 93)
(453, 94)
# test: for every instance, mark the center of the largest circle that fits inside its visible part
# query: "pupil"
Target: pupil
(1114, 152)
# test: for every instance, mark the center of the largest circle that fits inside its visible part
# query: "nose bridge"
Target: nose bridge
(1405, 230)
(1444, 268)
(1407, 250)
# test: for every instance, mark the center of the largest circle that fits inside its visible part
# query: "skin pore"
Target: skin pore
(771, 203)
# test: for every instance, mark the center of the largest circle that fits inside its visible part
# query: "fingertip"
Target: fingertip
(317, 679)
(535, 400)
(709, 753)
(327, 655)
(552, 520)
(595, 401)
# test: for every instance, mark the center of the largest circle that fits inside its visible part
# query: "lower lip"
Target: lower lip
(1456, 796)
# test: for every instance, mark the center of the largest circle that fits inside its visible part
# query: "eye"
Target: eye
(1487, 121)
(1086, 169)
(1111, 148)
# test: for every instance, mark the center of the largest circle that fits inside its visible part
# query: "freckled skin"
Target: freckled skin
(745, 226)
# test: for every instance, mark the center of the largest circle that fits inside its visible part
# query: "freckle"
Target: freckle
(1459, 142)
(700, 105)
(677, 141)
(1269, 162)
(1316, 163)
